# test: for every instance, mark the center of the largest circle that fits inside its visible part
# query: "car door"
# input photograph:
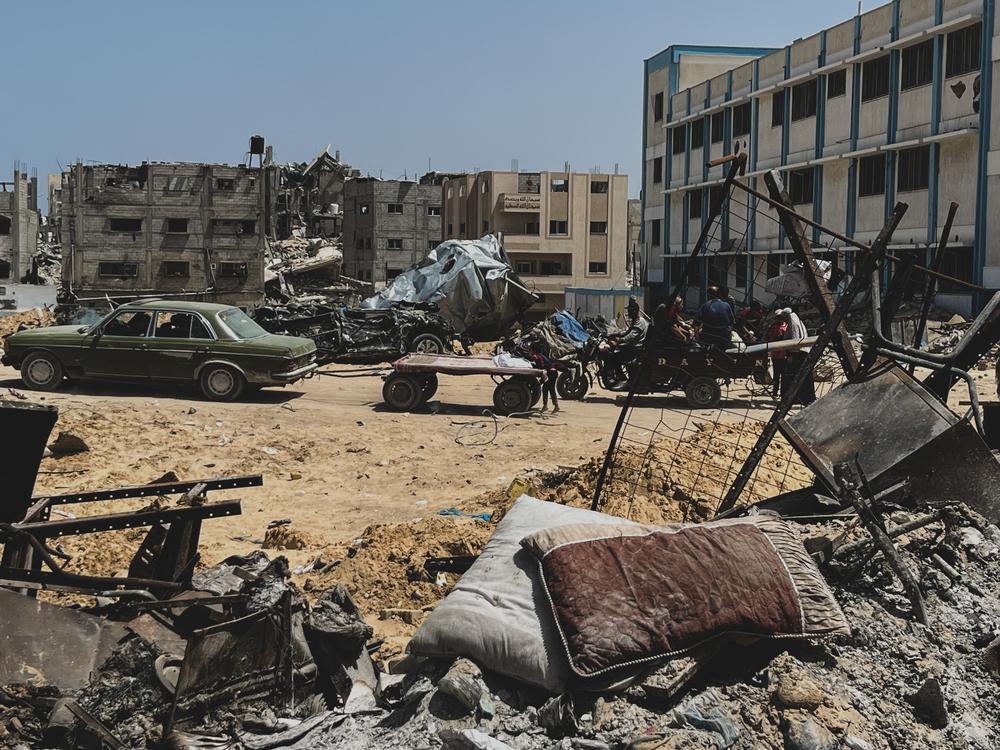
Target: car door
(181, 341)
(118, 348)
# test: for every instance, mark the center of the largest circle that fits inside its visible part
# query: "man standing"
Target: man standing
(796, 359)
(717, 321)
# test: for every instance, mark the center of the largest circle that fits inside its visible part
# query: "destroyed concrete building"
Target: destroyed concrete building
(894, 101)
(165, 228)
(309, 198)
(389, 225)
(566, 233)
(18, 225)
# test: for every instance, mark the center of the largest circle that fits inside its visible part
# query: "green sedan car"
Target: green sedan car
(216, 346)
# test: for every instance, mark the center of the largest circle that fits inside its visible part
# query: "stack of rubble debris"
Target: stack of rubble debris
(300, 270)
(28, 319)
(46, 263)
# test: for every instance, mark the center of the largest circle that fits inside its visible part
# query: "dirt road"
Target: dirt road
(334, 459)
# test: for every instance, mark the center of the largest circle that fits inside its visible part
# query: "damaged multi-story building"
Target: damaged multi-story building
(18, 225)
(164, 228)
(388, 226)
(310, 196)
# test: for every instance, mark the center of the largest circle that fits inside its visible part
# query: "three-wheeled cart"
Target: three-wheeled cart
(414, 380)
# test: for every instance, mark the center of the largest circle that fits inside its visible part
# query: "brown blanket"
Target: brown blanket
(623, 595)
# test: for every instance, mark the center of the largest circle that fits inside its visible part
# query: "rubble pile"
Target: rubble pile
(15, 322)
(46, 263)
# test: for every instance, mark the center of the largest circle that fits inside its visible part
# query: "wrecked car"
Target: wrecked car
(216, 346)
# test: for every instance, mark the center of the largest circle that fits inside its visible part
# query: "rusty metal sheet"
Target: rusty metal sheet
(44, 644)
(24, 430)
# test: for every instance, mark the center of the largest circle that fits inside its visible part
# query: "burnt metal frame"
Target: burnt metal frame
(862, 277)
(738, 165)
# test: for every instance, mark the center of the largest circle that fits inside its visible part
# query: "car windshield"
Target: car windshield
(240, 323)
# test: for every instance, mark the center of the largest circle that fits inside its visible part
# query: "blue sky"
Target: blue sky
(391, 84)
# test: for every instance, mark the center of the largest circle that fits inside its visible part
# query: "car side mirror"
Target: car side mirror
(83, 329)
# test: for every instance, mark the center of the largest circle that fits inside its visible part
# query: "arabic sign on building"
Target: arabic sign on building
(522, 202)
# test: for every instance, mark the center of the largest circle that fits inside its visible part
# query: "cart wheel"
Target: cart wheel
(703, 393)
(428, 386)
(401, 392)
(535, 386)
(572, 386)
(512, 396)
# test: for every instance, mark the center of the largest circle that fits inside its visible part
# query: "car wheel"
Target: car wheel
(41, 372)
(703, 393)
(222, 383)
(401, 392)
(512, 397)
(426, 343)
(572, 386)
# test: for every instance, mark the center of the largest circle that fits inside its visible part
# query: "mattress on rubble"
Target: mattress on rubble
(497, 614)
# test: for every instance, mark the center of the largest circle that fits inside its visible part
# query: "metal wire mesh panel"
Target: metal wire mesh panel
(684, 459)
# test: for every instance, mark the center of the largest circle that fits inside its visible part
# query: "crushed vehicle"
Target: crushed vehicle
(217, 347)
(463, 291)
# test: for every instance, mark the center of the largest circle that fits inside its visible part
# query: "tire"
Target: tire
(572, 386)
(428, 387)
(41, 371)
(512, 396)
(401, 392)
(426, 343)
(703, 393)
(536, 391)
(221, 383)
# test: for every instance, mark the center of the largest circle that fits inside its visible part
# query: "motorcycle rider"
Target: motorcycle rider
(624, 347)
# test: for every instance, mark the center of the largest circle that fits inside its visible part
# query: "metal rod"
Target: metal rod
(929, 288)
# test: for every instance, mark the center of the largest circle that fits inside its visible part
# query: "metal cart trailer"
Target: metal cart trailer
(414, 380)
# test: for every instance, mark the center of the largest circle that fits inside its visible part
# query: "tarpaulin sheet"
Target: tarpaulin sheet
(471, 283)
(571, 327)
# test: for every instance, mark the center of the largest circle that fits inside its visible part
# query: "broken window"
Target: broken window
(694, 204)
(532, 227)
(718, 127)
(394, 208)
(234, 226)
(778, 108)
(678, 138)
(741, 119)
(461, 228)
(119, 270)
(957, 263)
(657, 170)
(431, 244)
(914, 169)
(804, 100)
(177, 325)
(394, 244)
(391, 273)
(871, 175)
(658, 106)
(599, 186)
(177, 226)
(130, 226)
(836, 84)
(524, 266)
(226, 184)
(560, 186)
(654, 232)
(529, 182)
(364, 208)
(918, 65)
(558, 226)
(434, 210)
(178, 184)
(598, 227)
(597, 268)
(800, 187)
(4, 269)
(231, 270)
(175, 269)
(128, 323)
(875, 78)
(697, 134)
(964, 50)
(4, 226)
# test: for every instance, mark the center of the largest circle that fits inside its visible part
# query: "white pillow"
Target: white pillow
(498, 615)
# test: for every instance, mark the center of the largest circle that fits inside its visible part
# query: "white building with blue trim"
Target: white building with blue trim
(892, 105)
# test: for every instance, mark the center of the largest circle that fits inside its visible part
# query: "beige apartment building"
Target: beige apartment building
(566, 233)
